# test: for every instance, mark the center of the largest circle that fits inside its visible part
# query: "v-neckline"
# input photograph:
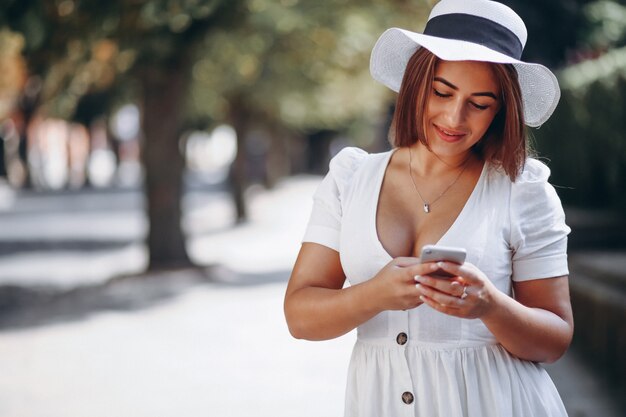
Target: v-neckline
(376, 197)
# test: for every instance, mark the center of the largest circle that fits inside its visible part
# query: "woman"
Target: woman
(458, 175)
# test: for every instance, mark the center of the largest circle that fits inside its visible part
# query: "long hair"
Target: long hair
(505, 143)
(408, 124)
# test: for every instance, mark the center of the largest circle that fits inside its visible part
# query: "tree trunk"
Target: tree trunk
(29, 105)
(237, 176)
(164, 90)
(278, 162)
(3, 168)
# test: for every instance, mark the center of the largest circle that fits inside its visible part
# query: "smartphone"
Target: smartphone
(435, 253)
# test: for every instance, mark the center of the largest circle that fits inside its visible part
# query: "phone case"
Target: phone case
(434, 253)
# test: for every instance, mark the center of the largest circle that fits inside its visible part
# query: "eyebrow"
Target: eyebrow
(454, 87)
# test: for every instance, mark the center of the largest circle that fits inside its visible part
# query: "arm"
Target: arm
(536, 325)
(317, 307)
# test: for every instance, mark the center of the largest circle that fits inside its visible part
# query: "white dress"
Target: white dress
(422, 362)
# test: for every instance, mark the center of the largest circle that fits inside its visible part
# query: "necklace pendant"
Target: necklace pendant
(426, 208)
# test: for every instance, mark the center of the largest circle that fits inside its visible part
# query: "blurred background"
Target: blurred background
(157, 161)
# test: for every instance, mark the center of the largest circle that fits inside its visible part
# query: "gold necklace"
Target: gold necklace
(427, 205)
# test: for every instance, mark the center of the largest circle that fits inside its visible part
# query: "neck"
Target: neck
(426, 162)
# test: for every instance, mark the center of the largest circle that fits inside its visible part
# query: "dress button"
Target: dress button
(401, 338)
(407, 397)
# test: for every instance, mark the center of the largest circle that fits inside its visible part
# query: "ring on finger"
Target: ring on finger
(464, 294)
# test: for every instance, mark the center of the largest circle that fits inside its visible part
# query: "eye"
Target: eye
(440, 94)
(478, 106)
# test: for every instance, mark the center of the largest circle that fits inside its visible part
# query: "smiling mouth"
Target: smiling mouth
(449, 135)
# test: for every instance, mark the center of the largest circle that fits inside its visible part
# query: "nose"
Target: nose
(455, 113)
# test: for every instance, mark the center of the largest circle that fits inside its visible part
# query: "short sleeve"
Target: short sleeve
(538, 229)
(325, 221)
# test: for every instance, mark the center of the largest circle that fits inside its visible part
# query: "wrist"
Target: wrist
(496, 304)
(367, 298)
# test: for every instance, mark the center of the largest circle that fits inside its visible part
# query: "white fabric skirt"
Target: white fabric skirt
(431, 380)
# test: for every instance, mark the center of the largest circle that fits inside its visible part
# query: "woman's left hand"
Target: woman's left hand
(469, 294)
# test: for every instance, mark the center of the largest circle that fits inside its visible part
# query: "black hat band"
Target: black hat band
(475, 29)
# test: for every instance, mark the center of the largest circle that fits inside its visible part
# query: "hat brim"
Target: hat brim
(539, 86)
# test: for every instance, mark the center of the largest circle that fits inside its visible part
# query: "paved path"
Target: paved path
(205, 342)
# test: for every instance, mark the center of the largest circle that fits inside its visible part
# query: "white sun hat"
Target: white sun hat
(470, 30)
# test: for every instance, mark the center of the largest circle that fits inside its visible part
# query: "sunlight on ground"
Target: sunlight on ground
(215, 351)
(270, 240)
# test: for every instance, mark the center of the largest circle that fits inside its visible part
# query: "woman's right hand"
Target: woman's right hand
(319, 307)
(393, 287)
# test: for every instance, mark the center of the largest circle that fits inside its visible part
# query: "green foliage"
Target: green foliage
(300, 64)
(586, 138)
(608, 24)
(304, 65)
(555, 27)
(81, 47)
(293, 63)
(12, 70)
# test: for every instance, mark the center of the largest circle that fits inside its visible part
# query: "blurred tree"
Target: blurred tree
(555, 28)
(13, 70)
(283, 64)
(585, 139)
(296, 64)
(607, 27)
(139, 49)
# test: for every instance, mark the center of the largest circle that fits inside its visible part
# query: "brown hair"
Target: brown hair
(504, 145)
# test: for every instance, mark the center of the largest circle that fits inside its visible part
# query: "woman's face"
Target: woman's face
(462, 103)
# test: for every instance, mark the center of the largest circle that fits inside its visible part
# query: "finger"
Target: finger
(443, 299)
(467, 271)
(458, 288)
(450, 267)
(450, 286)
(405, 261)
(452, 311)
(423, 269)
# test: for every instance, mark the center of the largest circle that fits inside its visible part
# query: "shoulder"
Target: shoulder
(347, 161)
(531, 191)
(534, 171)
(352, 166)
(346, 164)
(538, 231)
(533, 179)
